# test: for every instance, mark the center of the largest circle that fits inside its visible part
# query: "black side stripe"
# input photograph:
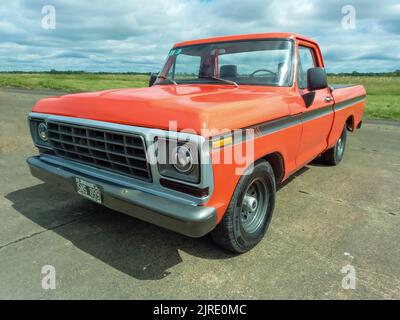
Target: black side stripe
(349, 102)
(317, 113)
(288, 121)
(272, 126)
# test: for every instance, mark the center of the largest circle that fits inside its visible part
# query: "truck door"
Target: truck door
(317, 118)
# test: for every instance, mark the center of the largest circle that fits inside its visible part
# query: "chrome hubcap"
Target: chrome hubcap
(254, 206)
(250, 203)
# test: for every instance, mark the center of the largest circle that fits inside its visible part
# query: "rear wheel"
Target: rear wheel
(249, 212)
(334, 155)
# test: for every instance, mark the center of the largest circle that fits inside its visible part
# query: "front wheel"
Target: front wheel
(249, 212)
(334, 155)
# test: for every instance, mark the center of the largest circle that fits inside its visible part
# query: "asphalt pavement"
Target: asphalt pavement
(328, 221)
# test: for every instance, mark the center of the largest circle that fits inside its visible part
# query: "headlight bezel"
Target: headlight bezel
(166, 147)
(42, 132)
(34, 127)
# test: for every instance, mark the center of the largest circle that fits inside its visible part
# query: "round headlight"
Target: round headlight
(42, 131)
(183, 159)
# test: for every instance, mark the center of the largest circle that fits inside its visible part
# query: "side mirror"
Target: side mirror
(316, 79)
(153, 78)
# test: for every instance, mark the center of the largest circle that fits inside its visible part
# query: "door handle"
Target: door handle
(328, 99)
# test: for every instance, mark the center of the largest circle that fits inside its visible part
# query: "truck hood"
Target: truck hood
(194, 107)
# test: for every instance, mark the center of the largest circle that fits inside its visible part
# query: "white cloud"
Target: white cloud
(100, 35)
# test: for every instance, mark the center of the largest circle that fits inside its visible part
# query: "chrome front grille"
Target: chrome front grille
(120, 152)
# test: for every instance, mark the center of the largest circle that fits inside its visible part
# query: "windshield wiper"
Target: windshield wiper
(223, 80)
(168, 79)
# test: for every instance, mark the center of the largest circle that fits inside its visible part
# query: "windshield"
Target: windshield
(255, 62)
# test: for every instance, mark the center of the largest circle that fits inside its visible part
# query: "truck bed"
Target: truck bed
(349, 104)
(341, 86)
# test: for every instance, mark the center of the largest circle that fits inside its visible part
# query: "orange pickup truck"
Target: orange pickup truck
(203, 148)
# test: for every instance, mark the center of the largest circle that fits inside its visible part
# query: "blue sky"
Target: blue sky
(120, 36)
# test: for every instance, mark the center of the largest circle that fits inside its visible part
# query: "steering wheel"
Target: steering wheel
(262, 70)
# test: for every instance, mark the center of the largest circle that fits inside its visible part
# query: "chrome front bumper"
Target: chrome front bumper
(190, 220)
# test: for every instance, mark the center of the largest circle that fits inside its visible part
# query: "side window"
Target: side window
(306, 61)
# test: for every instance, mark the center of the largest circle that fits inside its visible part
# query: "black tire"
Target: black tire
(238, 231)
(334, 155)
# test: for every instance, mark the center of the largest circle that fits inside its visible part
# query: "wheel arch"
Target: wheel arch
(277, 163)
(350, 124)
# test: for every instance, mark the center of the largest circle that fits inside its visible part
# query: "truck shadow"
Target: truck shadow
(318, 162)
(137, 248)
(292, 177)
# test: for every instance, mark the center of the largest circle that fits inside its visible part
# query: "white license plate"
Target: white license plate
(88, 190)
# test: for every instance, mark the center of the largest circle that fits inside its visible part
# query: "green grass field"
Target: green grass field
(383, 100)
(76, 82)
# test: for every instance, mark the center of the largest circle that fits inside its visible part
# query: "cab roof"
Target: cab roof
(254, 36)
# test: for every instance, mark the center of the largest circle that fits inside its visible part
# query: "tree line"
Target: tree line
(395, 73)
